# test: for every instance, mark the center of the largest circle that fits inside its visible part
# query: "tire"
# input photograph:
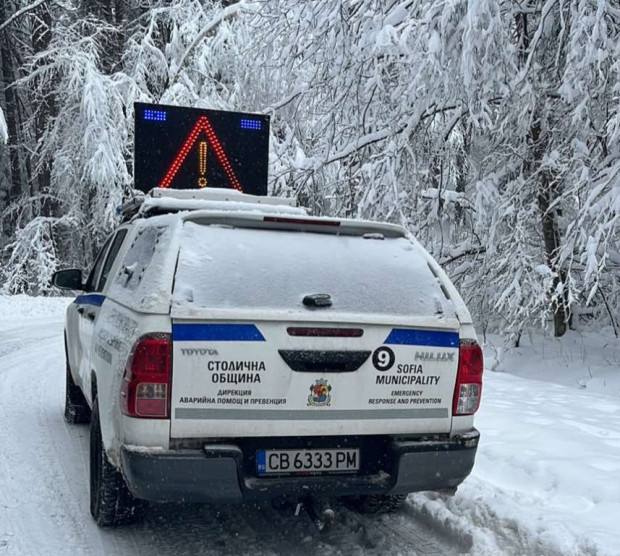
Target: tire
(76, 406)
(111, 503)
(376, 503)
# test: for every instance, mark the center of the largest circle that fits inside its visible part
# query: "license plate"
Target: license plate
(306, 461)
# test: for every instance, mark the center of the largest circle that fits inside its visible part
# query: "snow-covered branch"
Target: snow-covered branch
(359, 144)
(4, 133)
(21, 12)
(227, 13)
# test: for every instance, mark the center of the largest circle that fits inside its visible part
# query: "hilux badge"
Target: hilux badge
(432, 356)
(320, 393)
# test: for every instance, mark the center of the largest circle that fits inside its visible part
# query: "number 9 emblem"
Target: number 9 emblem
(383, 358)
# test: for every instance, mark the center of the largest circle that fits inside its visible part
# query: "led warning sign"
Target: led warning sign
(190, 148)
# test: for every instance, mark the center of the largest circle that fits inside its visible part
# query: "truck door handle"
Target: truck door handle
(90, 315)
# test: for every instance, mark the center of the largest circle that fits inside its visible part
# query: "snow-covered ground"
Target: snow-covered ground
(546, 479)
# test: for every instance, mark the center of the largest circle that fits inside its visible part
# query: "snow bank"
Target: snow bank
(584, 360)
(14, 308)
(546, 473)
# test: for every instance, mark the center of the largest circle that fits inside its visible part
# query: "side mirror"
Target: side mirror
(70, 279)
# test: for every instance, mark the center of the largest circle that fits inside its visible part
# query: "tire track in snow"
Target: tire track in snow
(34, 502)
(18, 339)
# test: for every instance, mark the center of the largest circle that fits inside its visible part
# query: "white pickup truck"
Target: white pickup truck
(229, 347)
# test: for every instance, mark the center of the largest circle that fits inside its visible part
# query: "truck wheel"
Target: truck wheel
(376, 503)
(111, 503)
(76, 406)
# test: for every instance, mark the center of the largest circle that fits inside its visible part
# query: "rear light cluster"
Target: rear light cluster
(145, 390)
(325, 332)
(302, 221)
(468, 379)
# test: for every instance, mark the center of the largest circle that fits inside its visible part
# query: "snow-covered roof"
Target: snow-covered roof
(214, 199)
(230, 207)
(219, 194)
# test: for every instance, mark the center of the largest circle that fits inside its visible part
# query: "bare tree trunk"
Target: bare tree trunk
(462, 156)
(548, 187)
(112, 12)
(547, 193)
(41, 39)
(12, 108)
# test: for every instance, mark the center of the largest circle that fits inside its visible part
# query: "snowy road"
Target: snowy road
(545, 481)
(44, 484)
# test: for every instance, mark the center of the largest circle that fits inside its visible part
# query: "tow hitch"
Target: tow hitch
(319, 511)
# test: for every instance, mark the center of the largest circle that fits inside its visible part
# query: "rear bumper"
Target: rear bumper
(219, 473)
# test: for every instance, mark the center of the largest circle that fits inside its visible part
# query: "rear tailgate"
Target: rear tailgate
(238, 369)
(268, 378)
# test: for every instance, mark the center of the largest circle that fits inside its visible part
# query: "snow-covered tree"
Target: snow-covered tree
(456, 119)
(489, 128)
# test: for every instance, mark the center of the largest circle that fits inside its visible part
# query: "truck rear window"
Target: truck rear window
(243, 268)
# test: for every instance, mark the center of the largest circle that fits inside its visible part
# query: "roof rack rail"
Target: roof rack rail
(163, 201)
(219, 194)
(130, 208)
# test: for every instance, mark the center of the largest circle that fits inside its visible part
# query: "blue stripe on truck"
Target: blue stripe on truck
(90, 299)
(435, 338)
(216, 333)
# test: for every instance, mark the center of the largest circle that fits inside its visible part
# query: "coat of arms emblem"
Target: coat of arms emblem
(320, 393)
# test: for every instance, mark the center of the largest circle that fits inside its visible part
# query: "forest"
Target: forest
(490, 129)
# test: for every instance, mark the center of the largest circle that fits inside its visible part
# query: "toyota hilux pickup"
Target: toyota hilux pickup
(226, 347)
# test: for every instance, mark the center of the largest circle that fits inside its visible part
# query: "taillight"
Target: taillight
(468, 379)
(303, 221)
(145, 391)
